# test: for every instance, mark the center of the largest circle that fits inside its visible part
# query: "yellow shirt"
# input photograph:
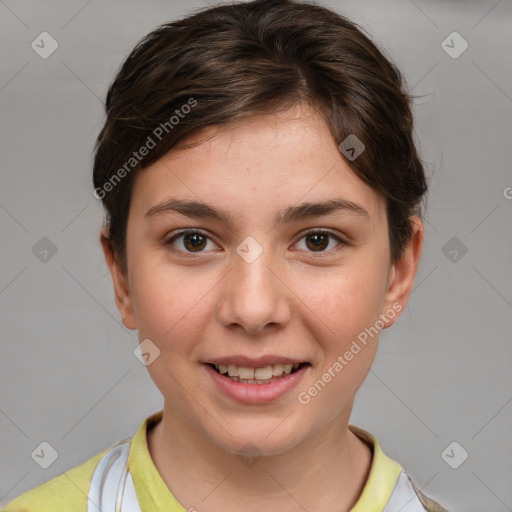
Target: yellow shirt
(68, 492)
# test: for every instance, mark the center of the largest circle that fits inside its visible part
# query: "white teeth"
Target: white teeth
(245, 373)
(263, 373)
(277, 369)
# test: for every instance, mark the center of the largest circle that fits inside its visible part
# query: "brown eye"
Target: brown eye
(193, 241)
(318, 241)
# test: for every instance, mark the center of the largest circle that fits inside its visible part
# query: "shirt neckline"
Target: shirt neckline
(154, 495)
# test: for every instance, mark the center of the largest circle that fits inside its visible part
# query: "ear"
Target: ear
(402, 274)
(120, 281)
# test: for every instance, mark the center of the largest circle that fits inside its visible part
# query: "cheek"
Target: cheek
(169, 303)
(170, 309)
(346, 309)
(346, 301)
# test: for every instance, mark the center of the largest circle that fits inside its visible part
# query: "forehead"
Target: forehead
(256, 166)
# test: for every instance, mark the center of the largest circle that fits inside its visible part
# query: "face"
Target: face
(270, 280)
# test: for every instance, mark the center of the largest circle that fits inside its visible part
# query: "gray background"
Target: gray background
(442, 374)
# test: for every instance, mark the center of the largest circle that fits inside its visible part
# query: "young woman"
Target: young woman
(262, 192)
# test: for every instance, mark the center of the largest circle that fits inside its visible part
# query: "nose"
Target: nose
(255, 297)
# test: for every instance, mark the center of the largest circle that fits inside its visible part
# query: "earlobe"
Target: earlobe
(402, 274)
(119, 280)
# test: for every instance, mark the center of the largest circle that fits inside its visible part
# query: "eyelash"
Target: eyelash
(184, 232)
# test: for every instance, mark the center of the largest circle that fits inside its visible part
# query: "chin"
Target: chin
(257, 438)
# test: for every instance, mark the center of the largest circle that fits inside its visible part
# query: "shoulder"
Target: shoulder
(388, 487)
(65, 492)
(406, 497)
(428, 504)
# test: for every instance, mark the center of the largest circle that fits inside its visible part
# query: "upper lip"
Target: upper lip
(259, 362)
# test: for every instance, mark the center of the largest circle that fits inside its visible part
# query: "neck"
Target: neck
(325, 472)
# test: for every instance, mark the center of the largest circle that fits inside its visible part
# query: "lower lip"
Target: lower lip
(256, 393)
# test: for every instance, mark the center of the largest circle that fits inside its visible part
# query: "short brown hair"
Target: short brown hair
(235, 60)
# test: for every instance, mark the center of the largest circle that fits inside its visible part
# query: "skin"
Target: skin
(293, 301)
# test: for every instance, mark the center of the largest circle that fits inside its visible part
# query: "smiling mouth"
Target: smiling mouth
(261, 375)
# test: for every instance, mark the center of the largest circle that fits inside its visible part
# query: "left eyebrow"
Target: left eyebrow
(288, 215)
